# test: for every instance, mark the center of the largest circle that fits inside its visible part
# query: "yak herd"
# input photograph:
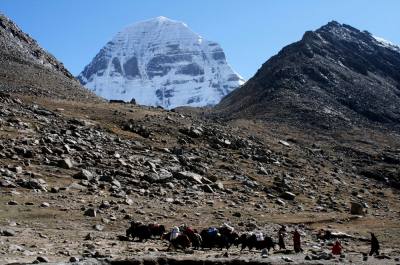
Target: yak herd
(222, 237)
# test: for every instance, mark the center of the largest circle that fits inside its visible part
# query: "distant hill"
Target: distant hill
(332, 76)
(26, 68)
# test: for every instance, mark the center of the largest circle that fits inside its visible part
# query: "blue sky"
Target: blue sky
(250, 31)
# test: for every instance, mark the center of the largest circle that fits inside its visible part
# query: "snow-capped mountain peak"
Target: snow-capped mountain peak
(161, 62)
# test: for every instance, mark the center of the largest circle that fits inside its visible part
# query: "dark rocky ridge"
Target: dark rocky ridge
(334, 75)
(26, 68)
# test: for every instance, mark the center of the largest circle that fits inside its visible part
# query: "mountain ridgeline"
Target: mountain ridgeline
(334, 75)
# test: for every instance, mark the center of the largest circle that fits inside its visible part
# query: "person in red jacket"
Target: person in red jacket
(337, 248)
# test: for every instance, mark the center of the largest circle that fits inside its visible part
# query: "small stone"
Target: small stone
(55, 190)
(128, 201)
(287, 259)
(219, 185)
(170, 185)
(288, 196)
(356, 208)
(89, 236)
(8, 232)
(18, 170)
(187, 175)
(12, 203)
(83, 174)
(237, 214)
(73, 259)
(280, 202)
(45, 205)
(42, 259)
(66, 163)
(99, 227)
(42, 236)
(282, 142)
(91, 212)
(207, 188)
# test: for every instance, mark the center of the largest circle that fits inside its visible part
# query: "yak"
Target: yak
(138, 230)
(217, 240)
(250, 241)
(156, 230)
(182, 241)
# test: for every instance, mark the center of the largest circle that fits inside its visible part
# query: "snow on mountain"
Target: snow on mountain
(161, 62)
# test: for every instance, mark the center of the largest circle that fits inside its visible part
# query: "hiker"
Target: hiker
(337, 248)
(374, 245)
(281, 237)
(296, 241)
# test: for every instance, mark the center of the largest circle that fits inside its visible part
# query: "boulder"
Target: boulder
(288, 196)
(284, 143)
(356, 208)
(207, 188)
(191, 176)
(38, 184)
(44, 205)
(161, 177)
(42, 259)
(12, 203)
(7, 232)
(280, 202)
(66, 163)
(83, 174)
(73, 259)
(193, 132)
(91, 212)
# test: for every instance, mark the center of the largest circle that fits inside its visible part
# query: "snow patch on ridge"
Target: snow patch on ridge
(387, 44)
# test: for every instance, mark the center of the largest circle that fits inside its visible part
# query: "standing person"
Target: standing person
(281, 237)
(337, 248)
(297, 241)
(374, 245)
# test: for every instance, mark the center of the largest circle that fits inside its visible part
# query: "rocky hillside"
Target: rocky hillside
(26, 68)
(72, 176)
(74, 173)
(161, 62)
(334, 75)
